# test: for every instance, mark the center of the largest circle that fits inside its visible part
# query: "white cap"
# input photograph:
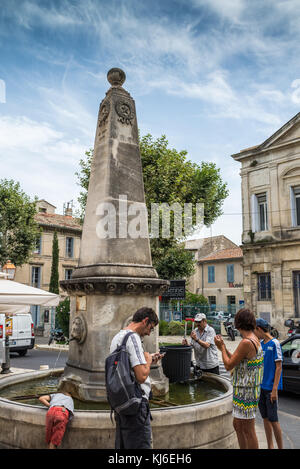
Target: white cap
(199, 317)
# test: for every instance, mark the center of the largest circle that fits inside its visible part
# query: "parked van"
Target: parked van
(21, 328)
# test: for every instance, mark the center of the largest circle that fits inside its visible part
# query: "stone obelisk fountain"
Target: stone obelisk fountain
(114, 278)
(115, 275)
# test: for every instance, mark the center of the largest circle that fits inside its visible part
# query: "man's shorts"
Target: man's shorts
(56, 423)
(268, 409)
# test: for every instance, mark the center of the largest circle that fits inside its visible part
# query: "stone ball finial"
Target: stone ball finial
(116, 77)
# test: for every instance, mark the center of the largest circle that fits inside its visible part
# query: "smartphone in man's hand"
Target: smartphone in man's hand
(157, 356)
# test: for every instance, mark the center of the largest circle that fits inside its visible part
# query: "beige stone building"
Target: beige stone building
(270, 183)
(218, 271)
(38, 270)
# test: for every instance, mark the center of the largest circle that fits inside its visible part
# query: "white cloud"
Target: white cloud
(214, 89)
(24, 134)
(240, 69)
(151, 47)
(289, 11)
(68, 111)
(230, 9)
(225, 101)
(2, 91)
(29, 13)
(29, 140)
(295, 95)
(40, 157)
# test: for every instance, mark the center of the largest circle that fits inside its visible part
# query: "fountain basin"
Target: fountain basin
(203, 425)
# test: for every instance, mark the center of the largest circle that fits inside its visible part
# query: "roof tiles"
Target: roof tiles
(233, 253)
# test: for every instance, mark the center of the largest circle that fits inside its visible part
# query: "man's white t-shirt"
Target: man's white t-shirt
(136, 354)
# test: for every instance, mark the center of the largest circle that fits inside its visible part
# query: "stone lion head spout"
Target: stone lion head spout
(78, 329)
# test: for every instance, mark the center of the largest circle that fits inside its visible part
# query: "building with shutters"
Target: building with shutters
(270, 181)
(218, 271)
(37, 271)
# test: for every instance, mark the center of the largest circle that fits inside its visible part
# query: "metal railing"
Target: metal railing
(215, 314)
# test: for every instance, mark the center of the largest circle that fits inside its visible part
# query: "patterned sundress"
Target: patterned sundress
(246, 380)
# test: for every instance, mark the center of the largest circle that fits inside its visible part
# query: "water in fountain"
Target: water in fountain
(179, 393)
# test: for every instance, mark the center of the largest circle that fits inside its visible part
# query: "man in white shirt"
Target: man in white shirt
(202, 341)
(134, 431)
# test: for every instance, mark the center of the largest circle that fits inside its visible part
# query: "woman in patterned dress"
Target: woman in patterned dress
(246, 364)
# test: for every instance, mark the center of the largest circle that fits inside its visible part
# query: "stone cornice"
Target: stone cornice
(247, 154)
(270, 244)
(115, 286)
(269, 164)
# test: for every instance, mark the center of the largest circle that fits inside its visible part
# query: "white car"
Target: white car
(218, 315)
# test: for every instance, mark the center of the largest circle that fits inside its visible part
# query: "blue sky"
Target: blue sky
(214, 76)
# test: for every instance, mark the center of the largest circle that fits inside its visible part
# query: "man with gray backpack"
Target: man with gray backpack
(128, 384)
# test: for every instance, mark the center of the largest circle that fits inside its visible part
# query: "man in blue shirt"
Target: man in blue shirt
(271, 383)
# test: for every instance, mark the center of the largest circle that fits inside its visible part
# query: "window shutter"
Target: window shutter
(211, 274)
(70, 247)
(293, 207)
(230, 273)
(266, 213)
(254, 213)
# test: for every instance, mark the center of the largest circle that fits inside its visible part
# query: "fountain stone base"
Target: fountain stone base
(206, 425)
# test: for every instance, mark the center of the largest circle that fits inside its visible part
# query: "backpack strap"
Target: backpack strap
(124, 342)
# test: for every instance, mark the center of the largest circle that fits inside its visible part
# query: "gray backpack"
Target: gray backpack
(124, 393)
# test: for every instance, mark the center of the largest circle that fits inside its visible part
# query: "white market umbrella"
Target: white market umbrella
(16, 297)
(12, 309)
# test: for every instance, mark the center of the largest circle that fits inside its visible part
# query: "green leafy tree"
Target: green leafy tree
(172, 262)
(63, 315)
(169, 177)
(54, 279)
(84, 177)
(18, 229)
(194, 299)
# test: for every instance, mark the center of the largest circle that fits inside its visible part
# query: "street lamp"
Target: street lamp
(10, 269)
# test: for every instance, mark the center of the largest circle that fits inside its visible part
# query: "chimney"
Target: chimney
(68, 209)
